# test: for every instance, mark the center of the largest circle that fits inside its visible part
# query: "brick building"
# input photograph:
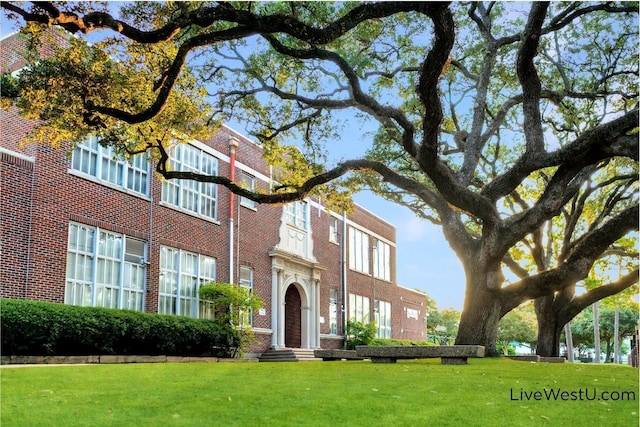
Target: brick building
(80, 227)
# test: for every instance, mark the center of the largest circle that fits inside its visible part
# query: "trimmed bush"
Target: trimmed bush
(360, 333)
(37, 328)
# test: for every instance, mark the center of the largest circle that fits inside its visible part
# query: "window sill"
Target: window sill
(108, 184)
(186, 212)
(251, 208)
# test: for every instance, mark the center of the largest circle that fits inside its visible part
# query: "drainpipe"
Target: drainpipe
(343, 273)
(233, 144)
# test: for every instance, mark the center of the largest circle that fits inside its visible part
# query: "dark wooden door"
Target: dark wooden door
(292, 318)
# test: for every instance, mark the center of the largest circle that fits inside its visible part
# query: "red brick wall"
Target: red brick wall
(60, 197)
(15, 214)
(13, 48)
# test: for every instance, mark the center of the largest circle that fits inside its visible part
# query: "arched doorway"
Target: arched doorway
(292, 318)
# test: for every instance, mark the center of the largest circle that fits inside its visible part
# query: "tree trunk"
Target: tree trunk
(616, 336)
(567, 334)
(480, 316)
(596, 333)
(609, 350)
(549, 330)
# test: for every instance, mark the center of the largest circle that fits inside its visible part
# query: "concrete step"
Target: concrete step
(288, 355)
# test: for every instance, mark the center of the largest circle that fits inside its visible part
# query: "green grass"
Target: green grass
(409, 393)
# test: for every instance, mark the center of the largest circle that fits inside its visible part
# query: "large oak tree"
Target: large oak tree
(473, 102)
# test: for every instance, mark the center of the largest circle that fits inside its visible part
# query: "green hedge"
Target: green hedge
(38, 328)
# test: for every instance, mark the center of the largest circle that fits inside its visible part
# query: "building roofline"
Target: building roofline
(9, 35)
(375, 215)
(420, 291)
(240, 134)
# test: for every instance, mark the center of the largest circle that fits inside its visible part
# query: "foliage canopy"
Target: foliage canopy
(492, 120)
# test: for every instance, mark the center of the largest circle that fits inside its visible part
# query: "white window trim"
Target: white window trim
(334, 235)
(384, 331)
(93, 255)
(333, 314)
(296, 215)
(357, 305)
(179, 274)
(96, 178)
(382, 260)
(249, 286)
(359, 256)
(179, 184)
(245, 202)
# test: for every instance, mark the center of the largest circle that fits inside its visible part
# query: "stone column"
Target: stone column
(281, 312)
(317, 314)
(275, 307)
(305, 317)
(312, 314)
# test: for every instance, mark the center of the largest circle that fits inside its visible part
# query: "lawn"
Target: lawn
(491, 392)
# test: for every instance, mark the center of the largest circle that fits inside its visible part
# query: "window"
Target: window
(196, 197)
(104, 269)
(333, 312)
(297, 214)
(248, 182)
(382, 261)
(181, 275)
(90, 158)
(412, 313)
(358, 250)
(246, 281)
(333, 230)
(383, 319)
(359, 308)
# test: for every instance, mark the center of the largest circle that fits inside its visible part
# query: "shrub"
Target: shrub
(360, 333)
(233, 305)
(230, 301)
(40, 328)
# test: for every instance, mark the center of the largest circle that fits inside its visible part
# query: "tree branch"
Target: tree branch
(529, 80)
(580, 302)
(579, 263)
(604, 141)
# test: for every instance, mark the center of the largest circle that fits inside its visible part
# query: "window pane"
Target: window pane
(207, 269)
(79, 265)
(92, 159)
(333, 311)
(168, 286)
(246, 281)
(248, 182)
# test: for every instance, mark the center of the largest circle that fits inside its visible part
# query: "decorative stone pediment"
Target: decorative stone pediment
(295, 265)
(294, 240)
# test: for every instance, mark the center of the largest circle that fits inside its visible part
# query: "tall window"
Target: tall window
(246, 281)
(90, 158)
(333, 229)
(181, 274)
(104, 269)
(248, 182)
(382, 261)
(196, 197)
(333, 311)
(359, 308)
(297, 214)
(383, 319)
(358, 250)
